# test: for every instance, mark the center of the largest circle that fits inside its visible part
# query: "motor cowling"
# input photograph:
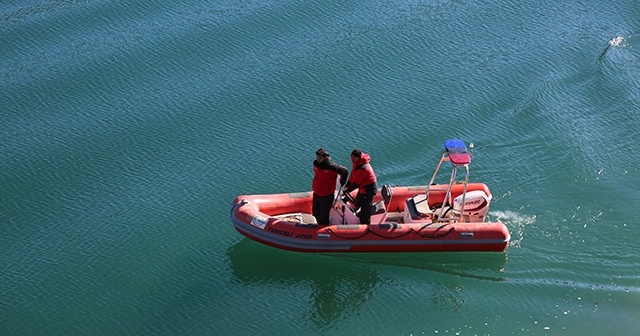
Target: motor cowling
(476, 205)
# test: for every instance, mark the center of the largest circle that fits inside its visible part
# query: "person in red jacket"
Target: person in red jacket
(324, 184)
(364, 179)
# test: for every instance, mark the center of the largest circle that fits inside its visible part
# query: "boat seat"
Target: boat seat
(381, 205)
(378, 208)
(386, 194)
(447, 214)
(418, 207)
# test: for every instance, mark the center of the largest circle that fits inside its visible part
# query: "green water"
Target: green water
(126, 130)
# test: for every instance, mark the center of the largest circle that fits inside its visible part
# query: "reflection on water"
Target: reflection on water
(340, 284)
(482, 266)
(342, 294)
(448, 296)
(338, 288)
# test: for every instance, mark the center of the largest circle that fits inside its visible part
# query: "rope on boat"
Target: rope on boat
(423, 235)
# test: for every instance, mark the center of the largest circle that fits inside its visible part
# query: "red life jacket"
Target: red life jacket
(324, 178)
(362, 174)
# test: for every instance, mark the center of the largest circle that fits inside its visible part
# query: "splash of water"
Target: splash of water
(516, 223)
(616, 41)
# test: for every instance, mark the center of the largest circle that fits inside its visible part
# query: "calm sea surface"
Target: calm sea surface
(127, 128)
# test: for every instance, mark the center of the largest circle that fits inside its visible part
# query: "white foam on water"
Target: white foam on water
(515, 222)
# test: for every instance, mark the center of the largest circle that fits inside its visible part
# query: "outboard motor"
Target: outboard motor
(476, 206)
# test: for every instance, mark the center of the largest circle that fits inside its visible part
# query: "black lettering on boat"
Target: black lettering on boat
(435, 235)
(280, 232)
(304, 236)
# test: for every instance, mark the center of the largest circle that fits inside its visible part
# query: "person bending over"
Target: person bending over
(364, 179)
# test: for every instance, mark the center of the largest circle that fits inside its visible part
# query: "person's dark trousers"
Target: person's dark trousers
(363, 202)
(321, 207)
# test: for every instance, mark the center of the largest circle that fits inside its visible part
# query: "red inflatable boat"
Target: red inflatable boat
(435, 217)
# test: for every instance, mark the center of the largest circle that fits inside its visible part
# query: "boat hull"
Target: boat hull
(263, 218)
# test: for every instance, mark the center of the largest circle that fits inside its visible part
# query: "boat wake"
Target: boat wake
(619, 42)
(516, 223)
